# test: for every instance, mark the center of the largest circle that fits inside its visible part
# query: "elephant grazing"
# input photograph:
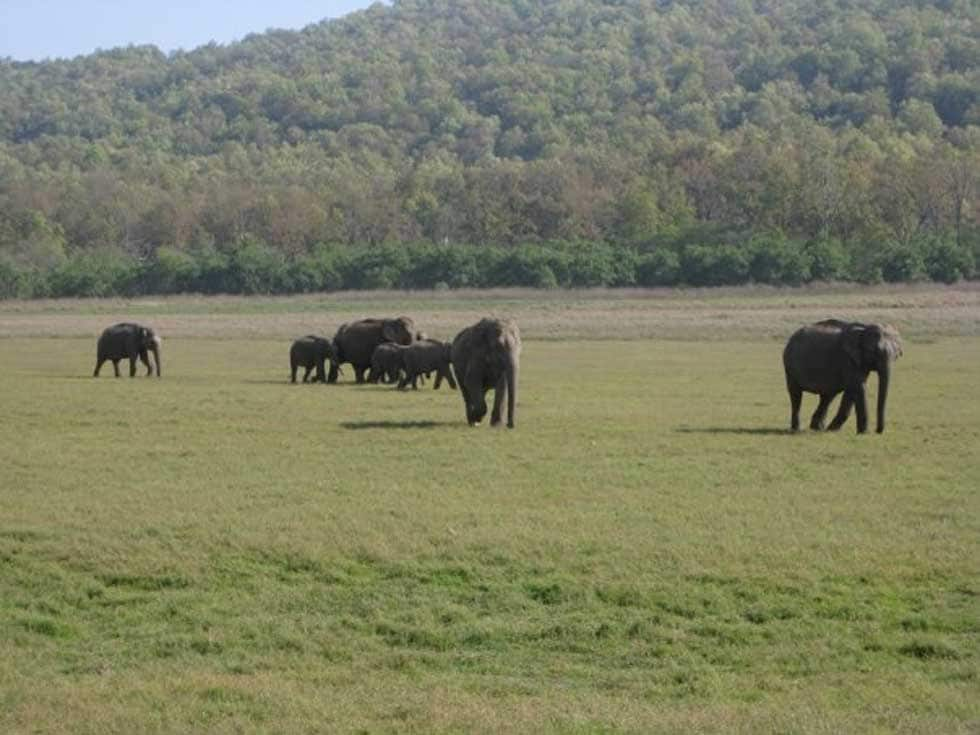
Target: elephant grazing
(484, 356)
(831, 356)
(128, 340)
(355, 342)
(310, 352)
(426, 356)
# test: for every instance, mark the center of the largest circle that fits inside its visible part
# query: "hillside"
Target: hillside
(543, 142)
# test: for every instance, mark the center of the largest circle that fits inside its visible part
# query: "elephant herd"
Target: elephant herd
(483, 356)
(827, 358)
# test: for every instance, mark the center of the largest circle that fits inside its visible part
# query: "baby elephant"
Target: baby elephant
(128, 341)
(386, 363)
(426, 356)
(310, 352)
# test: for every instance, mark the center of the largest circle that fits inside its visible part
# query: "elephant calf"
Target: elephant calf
(427, 356)
(832, 356)
(310, 352)
(127, 340)
(386, 363)
(484, 356)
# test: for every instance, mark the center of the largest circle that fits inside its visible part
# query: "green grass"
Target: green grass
(649, 551)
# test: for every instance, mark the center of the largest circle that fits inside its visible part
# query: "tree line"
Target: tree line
(538, 143)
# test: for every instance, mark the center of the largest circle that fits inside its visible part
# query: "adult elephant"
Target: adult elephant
(484, 356)
(310, 352)
(127, 340)
(355, 342)
(834, 356)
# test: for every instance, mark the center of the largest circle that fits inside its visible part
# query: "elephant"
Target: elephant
(355, 342)
(386, 363)
(128, 340)
(310, 352)
(831, 356)
(487, 355)
(427, 356)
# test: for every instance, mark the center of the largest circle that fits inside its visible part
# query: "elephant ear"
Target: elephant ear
(389, 330)
(851, 341)
(889, 341)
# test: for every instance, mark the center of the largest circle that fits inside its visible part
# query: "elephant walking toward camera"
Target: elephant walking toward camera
(128, 341)
(310, 352)
(427, 356)
(355, 342)
(484, 356)
(834, 356)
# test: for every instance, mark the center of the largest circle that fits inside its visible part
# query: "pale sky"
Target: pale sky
(33, 30)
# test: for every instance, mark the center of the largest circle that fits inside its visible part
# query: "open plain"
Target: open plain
(650, 550)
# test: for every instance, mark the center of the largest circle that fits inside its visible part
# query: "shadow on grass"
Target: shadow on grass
(355, 425)
(751, 431)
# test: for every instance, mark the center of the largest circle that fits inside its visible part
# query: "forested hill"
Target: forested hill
(497, 142)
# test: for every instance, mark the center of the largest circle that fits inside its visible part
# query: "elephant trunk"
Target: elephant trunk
(155, 349)
(511, 389)
(884, 377)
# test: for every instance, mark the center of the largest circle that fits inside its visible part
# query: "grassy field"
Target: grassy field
(649, 551)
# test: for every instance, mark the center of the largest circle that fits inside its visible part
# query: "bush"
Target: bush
(660, 268)
(99, 272)
(376, 267)
(256, 268)
(527, 266)
(454, 266)
(902, 263)
(714, 265)
(946, 261)
(593, 264)
(828, 260)
(171, 271)
(779, 261)
(320, 270)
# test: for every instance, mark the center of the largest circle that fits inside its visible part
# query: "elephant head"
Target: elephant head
(401, 331)
(873, 348)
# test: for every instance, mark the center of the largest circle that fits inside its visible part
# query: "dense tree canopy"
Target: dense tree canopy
(539, 142)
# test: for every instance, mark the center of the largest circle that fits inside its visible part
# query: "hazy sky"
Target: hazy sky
(39, 29)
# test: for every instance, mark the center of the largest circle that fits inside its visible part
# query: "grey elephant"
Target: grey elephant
(427, 356)
(484, 356)
(355, 342)
(127, 340)
(834, 356)
(310, 352)
(386, 363)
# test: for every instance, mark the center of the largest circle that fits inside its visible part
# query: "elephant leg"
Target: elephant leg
(292, 373)
(115, 367)
(438, 382)
(843, 411)
(816, 422)
(449, 377)
(795, 400)
(861, 405)
(132, 366)
(334, 372)
(499, 393)
(144, 358)
(98, 366)
(358, 374)
(306, 373)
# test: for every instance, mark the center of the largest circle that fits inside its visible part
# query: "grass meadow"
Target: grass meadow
(649, 550)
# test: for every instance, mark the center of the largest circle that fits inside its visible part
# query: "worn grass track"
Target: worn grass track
(648, 551)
